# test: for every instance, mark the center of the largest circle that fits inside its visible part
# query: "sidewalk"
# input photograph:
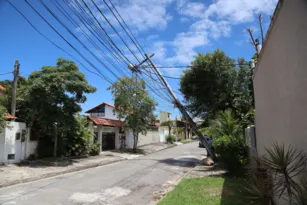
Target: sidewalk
(20, 173)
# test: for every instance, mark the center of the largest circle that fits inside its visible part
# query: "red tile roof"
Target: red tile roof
(2, 88)
(106, 122)
(9, 117)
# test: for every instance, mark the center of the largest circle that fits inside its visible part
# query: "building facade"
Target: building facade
(111, 132)
(280, 79)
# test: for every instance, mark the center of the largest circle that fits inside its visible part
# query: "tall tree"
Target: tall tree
(134, 105)
(215, 82)
(52, 97)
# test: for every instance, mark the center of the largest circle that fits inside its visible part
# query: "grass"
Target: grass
(186, 141)
(206, 190)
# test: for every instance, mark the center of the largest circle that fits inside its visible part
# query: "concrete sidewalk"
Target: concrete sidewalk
(20, 173)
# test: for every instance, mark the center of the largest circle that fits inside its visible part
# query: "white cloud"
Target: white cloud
(145, 15)
(191, 9)
(240, 11)
(213, 22)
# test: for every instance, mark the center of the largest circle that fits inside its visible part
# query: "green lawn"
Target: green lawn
(186, 141)
(206, 191)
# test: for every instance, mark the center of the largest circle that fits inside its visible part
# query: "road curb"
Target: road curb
(48, 175)
(171, 146)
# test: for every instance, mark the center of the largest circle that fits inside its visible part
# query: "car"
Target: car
(209, 141)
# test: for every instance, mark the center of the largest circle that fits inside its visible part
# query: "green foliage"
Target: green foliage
(78, 138)
(276, 176)
(134, 105)
(94, 149)
(170, 139)
(3, 122)
(223, 125)
(214, 83)
(232, 151)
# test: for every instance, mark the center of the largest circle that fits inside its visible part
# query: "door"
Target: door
(108, 141)
(19, 147)
(162, 136)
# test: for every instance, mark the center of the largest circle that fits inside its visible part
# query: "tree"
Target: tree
(52, 97)
(169, 124)
(223, 125)
(134, 105)
(215, 82)
(3, 111)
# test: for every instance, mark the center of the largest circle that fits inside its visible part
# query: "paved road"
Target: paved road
(124, 183)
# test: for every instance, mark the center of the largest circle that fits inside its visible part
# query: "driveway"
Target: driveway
(123, 183)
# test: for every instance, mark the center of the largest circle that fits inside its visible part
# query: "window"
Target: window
(18, 136)
(11, 156)
(97, 114)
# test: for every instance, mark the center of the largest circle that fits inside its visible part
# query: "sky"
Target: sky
(174, 30)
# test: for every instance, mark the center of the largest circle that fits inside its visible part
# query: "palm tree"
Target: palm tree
(223, 125)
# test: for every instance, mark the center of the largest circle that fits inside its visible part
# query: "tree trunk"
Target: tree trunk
(135, 142)
(55, 142)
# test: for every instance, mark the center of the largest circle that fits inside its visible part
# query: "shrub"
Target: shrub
(280, 174)
(170, 139)
(232, 152)
(94, 149)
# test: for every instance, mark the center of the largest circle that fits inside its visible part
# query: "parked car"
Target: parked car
(209, 141)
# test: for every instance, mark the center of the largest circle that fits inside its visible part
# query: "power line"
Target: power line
(88, 22)
(6, 73)
(67, 29)
(102, 53)
(114, 29)
(195, 66)
(32, 25)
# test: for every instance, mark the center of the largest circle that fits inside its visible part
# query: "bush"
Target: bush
(232, 152)
(170, 139)
(94, 149)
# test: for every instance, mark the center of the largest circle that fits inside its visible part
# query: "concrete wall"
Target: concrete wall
(109, 113)
(10, 145)
(280, 80)
(2, 145)
(152, 136)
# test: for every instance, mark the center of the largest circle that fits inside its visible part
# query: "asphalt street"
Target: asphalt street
(123, 183)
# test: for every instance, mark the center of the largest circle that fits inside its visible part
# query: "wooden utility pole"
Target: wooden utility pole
(183, 111)
(14, 90)
(261, 29)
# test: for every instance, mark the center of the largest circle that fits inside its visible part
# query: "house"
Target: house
(280, 79)
(15, 141)
(111, 132)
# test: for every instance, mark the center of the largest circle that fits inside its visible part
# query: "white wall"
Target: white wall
(2, 144)
(152, 136)
(109, 113)
(21, 150)
(280, 80)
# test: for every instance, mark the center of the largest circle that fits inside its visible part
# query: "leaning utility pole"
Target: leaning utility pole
(16, 74)
(183, 111)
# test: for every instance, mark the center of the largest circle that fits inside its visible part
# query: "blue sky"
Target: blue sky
(175, 30)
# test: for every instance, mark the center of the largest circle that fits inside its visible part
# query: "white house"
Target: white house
(111, 133)
(15, 142)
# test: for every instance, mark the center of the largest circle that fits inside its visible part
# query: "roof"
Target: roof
(106, 122)
(9, 117)
(2, 87)
(273, 20)
(99, 106)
